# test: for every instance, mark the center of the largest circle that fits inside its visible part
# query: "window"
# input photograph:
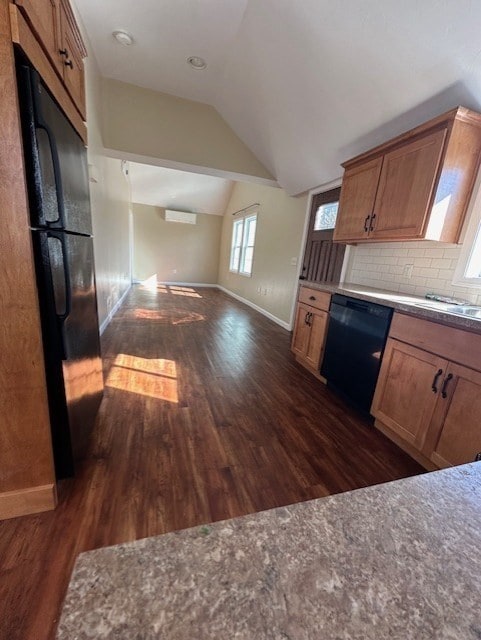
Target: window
(468, 269)
(326, 215)
(473, 268)
(242, 248)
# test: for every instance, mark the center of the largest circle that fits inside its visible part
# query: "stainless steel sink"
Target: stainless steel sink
(464, 310)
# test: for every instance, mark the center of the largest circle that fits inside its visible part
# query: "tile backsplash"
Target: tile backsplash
(415, 268)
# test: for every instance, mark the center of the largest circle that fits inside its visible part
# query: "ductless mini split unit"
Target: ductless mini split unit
(180, 216)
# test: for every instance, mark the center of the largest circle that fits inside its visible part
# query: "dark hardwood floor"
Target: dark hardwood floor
(206, 416)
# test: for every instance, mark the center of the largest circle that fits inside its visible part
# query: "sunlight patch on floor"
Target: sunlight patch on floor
(153, 285)
(168, 316)
(188, 292)
(152, 377)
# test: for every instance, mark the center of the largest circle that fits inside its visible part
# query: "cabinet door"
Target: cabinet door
(407, 390)
(73, 67)
(459, 417)
(356, 204)
(43, 15)
(318, 327)
(302, 330)
(406, 188)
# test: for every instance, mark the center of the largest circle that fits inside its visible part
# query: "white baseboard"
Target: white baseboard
(180, 284)
(113, 311)
(281, 323)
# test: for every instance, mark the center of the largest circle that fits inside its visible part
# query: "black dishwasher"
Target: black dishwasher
(355, 343)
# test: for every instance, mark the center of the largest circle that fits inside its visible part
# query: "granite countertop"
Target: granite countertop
(396, 561)
(404, 303)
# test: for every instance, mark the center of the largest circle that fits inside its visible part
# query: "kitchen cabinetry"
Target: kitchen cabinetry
(310, 327)
(54, 25)
(72, 51)
(458, 436)
(27, 478)
(44, 18)
(417, 186)
(426, 395)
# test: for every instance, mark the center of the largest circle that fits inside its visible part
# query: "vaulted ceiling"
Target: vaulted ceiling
(306, 84)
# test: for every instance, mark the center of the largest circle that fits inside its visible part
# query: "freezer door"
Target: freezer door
(82, 364)
(52, 295)
(56, 160)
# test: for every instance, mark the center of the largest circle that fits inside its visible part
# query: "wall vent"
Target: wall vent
(180, 216)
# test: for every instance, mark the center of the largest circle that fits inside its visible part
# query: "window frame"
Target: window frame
(238, 265)
(471, 237)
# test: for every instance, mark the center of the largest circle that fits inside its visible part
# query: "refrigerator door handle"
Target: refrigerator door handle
(59, 235)
(40, 124)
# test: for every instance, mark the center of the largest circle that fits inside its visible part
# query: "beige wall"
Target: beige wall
(110, 201)
(173, 251)
(280, 224)
(157, 125)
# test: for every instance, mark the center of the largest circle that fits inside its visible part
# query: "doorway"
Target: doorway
(323, 258)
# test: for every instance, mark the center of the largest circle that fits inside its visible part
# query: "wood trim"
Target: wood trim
(27, 501)
(453, 344)
(405, 446)
(23, 36)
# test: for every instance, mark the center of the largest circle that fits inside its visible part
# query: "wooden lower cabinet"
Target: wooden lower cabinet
(456, 437)
(430, 403)
(404, 399)
(309, 335)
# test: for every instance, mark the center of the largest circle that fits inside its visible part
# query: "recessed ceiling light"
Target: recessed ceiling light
(196, 62)
(123, 37)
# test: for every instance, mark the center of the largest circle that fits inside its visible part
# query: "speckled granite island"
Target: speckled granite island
(398, 561)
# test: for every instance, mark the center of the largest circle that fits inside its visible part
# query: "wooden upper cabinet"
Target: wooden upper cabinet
(72, 52)
(406, 187)
(423, 187)
(358, 193)
(54, 26)
(43, 17)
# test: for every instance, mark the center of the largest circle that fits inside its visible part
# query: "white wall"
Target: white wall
(173, 251)
(280, 224)
(110, 201)
(433, 264)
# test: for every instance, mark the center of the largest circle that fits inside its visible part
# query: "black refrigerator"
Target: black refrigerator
(58, 192)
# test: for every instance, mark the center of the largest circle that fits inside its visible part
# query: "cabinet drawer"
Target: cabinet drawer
(314, 298)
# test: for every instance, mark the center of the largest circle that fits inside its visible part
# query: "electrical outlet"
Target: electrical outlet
(408, 270)
(293, 262)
